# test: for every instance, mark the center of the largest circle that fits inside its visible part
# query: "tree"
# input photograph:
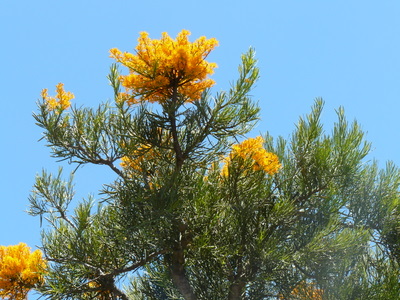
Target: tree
(196, 211)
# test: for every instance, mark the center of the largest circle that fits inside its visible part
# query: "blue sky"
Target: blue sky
(347, 52)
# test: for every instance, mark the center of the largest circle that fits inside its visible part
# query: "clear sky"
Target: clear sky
(346, 52)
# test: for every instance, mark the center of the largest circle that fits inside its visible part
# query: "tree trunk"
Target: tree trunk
(177, 263)
(238, 282)
(178, 275)
(236, 290)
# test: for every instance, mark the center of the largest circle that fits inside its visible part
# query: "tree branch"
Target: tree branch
(139, 264)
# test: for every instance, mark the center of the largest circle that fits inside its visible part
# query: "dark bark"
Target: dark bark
(236, 290)
(237, 280)
(177, 263)
(178, 275)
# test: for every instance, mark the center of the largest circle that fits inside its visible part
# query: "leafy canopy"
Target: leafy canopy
(199, 211)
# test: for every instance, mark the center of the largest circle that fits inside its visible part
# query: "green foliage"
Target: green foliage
(175, 228)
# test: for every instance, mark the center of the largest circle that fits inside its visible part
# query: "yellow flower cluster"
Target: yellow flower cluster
(61, 100)
(141, 155)
(252, 150)
(101, 294)
(20, 270)
(163, 68)
(142, 161)
(306, 291)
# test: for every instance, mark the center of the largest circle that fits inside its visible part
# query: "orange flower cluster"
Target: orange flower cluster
(20, 270)
(163, 68)
(142, 154)
(144, 161)
(252, 150)
(101, 294)
(61, 100)
(306, 291)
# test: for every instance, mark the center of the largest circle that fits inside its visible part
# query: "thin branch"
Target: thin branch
(302, 270)
(66, 219)
(139, 264)
(109, 163)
